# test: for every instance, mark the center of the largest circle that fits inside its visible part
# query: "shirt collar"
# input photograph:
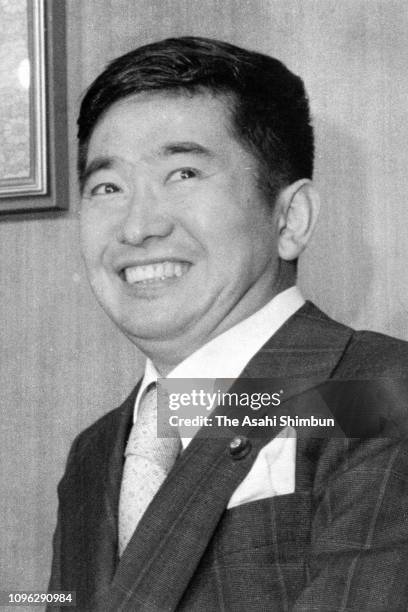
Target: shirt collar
(227, 355)
(150, 376)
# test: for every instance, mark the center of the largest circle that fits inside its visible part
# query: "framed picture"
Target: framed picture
(33, 133)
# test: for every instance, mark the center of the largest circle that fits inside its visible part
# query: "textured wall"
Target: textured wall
(64, 364)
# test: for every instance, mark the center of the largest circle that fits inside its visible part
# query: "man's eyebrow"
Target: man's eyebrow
(171, 148)
(99, 163)
(174, 148)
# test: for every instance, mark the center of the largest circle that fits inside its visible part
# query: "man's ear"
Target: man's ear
(298, 207)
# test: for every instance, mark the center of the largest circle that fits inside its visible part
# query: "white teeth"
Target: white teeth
(166, 269)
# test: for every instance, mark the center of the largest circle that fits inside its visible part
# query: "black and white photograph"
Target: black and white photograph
(204, 305)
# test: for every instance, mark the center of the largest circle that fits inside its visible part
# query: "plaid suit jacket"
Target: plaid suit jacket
(339, 542)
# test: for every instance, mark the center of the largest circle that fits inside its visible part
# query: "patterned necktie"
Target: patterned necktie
(148, 461)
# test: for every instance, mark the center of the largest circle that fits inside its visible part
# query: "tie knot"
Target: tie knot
(144, 441)
(147, 413)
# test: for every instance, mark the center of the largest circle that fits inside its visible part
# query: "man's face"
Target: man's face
(178, 238)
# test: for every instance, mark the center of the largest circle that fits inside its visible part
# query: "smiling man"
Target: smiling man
(183, 249)
(195, 167)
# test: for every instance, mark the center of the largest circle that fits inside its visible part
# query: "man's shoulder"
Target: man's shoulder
(366, 353)
(375, 354)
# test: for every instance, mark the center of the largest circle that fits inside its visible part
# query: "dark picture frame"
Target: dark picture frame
(34, 166)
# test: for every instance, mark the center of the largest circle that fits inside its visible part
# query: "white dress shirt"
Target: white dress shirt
(273, 472)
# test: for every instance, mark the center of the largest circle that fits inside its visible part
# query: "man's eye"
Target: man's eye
(183, 174)
(105, 189)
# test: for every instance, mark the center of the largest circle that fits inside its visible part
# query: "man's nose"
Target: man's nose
(147, 216)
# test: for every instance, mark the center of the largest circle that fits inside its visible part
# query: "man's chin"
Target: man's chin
(152, 331)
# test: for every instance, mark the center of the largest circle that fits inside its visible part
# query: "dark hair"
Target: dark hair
(270, 111)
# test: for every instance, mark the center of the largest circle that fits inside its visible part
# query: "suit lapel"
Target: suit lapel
(97, 519)
(116, 460)
(172, 536)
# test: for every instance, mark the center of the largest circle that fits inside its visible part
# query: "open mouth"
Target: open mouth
(155, 272)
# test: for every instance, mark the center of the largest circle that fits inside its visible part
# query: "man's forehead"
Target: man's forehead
(158, 125)
(167, 110)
